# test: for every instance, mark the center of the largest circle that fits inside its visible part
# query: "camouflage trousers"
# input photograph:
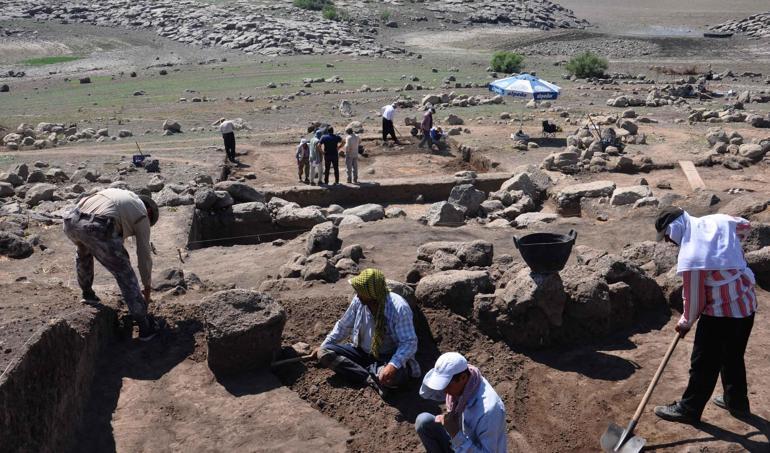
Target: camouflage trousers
(95, 237)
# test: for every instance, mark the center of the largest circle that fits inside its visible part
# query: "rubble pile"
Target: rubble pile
(756, 25)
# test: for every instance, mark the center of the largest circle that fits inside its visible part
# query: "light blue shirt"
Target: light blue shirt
(483, 424)
(400, 339)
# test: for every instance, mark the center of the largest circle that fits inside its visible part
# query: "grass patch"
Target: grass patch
(42, 61)
(312, 5)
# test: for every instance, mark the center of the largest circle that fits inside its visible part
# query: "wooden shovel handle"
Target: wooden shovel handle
(292, 360)
(655, 379)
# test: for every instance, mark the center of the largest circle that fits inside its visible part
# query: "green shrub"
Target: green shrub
(587, 64)
(312, 5)
(331, 12)
(385, 15)
(507, 62)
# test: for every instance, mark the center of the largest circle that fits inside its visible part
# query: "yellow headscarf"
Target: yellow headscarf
(370, 283)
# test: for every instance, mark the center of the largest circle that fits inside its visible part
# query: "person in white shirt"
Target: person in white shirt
(316, 159)
(387, 123)
(227, 128)
(352, 143)
(475, 417)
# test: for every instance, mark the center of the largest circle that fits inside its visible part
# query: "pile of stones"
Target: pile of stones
(252, 28)
(544, 15)
(757, 25)
(586, 152)
(49, 135)
(730, 114)
(731, 150)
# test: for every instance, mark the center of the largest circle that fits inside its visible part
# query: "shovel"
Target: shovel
(617, 439)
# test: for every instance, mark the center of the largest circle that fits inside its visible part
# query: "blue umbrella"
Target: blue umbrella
(525, 85)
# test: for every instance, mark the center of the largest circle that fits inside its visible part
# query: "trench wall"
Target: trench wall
(432, 188)
(43, 395)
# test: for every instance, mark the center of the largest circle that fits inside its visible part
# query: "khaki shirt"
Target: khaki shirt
(130, 220)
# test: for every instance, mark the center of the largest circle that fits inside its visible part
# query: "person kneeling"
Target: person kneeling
(384, 343)
(475, 417)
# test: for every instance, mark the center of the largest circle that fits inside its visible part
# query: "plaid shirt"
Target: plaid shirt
(400, 340)
(723, 294)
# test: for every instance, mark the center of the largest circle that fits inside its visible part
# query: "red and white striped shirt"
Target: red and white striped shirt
(725, 294)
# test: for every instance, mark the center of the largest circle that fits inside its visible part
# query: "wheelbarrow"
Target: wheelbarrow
(617, 439)
(138, 159)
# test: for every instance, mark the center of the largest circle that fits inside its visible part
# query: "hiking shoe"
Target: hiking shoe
(151, 328)
(375, 384)
(719, 401)
(90, 298)
(675, 413)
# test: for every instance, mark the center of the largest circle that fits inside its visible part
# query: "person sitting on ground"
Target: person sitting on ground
(98, 226)
(436, 137)
(303, 160)
(425, 126)
(316, 158)
(475, 417)
(718, 289)
(352, 142)
(331, 144)
(384, 343)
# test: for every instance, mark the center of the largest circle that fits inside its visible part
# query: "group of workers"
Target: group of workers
(318, 156)
(718, 289)
(322, 150)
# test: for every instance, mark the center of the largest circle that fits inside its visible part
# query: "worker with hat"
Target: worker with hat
(98, 226)
(475, 417)
(303, 160)
(383, 341)
(718, 288)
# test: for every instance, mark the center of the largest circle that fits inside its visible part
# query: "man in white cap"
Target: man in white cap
(475, 417)
(303, 160)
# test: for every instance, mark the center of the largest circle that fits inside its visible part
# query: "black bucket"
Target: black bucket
(546, 253)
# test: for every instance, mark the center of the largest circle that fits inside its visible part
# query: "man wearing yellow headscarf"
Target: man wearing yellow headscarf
(383, 341)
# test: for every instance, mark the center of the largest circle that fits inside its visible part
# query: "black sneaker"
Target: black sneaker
(719, 401)
(675, 413)
(151, 328)
(90, 298)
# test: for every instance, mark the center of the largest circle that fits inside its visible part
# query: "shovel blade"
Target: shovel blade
(614, 435)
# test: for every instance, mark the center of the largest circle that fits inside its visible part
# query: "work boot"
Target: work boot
(719, 401)
(674, 412)
(90, 298)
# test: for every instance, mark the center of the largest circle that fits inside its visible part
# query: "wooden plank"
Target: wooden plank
(692, 175)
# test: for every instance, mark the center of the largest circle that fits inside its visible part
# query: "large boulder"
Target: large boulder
(564, 161)
(243, 330)
(532, 182)
(168, 279)
(173, 127)
(241, 193)
(568, 199)
(14, 246)
(295, 217)
(168, 197)
(453, 289)
(367, 212)
(84, 175)
(323, 237)
(653, 257)
(319, 267)
(752, 151)
(6, 190)
(251, 212)
(622, 196)
(759, 262)
(468, 197)
(445, 213)
(39, 193)
(745, 206)
(478, 253)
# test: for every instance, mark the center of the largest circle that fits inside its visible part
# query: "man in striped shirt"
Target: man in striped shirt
(718, 288)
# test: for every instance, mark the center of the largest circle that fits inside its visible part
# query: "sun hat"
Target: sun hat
(664, 219)
(447, 365)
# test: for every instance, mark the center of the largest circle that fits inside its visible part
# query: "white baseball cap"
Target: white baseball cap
(447, 365)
